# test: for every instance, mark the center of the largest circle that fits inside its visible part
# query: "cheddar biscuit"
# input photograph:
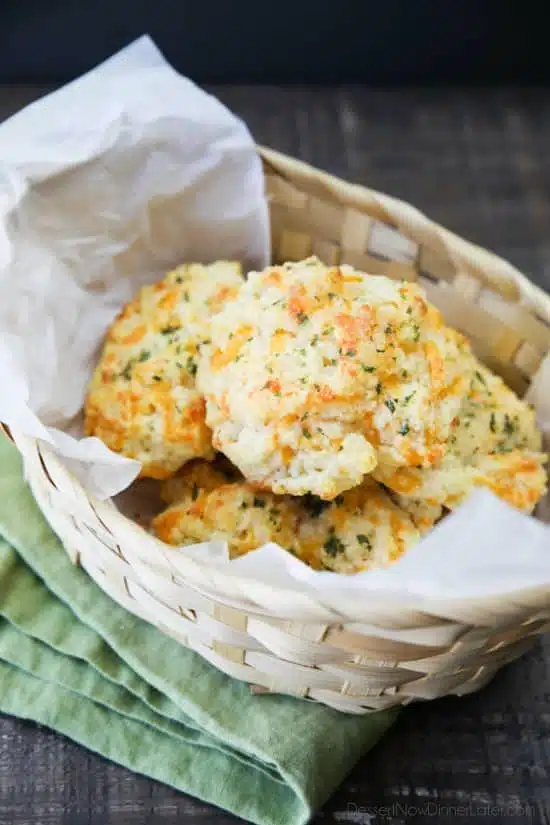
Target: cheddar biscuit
(316, 375)
(206, 505)
(360, 530)
(494, 443)
(142, 399)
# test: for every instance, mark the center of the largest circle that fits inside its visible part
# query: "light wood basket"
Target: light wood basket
(373, 656)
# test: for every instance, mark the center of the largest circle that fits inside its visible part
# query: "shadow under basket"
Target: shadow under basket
(288, 642)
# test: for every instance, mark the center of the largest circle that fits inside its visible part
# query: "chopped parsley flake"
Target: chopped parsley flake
(390, 404)
(314, 340)
(186, 297)
(409, 310)
(306, 433)
(404, 429)
(302, 318)
(258, 502)
(157, 378)
(351, 353)
(168, 330)
(364, 540)
(144, 355)
(416, 332)
(502, 448)
(191, 365)
(367, 368)
(379, 388)
(314, 506)
(127, 371)
(389, 329)
(509, 426)
(332, 296)
(334, 546)
(408, 397)
(493, 423)
(480, 377)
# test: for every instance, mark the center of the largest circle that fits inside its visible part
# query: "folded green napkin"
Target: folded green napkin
(72, 659)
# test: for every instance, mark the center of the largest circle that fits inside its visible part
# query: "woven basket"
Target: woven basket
(376, 656)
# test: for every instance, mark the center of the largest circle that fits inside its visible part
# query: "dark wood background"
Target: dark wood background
(479, 163)
(395, 43)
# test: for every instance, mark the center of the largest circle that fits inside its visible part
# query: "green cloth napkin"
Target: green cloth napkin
(72, 659)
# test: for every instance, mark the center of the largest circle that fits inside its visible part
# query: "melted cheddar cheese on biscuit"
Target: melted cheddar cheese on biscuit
(494, 443)
(207, 505)
(316, 375)
(142, 400)
(360, 530)
(424, 514)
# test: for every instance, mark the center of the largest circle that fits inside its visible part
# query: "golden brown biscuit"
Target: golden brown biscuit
(142, 400)
(424, 514)
(360, 530)
(205, 506)
(317, 374)
(494, 443)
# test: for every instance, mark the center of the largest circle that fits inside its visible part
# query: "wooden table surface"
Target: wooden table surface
(479, 163)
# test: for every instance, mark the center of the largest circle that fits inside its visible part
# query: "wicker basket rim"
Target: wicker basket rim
(509, 281)
(530, 294)
(350, 650)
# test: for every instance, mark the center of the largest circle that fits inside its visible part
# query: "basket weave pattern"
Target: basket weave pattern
(277, 641)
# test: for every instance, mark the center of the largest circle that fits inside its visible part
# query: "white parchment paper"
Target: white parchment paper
(103, 186)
